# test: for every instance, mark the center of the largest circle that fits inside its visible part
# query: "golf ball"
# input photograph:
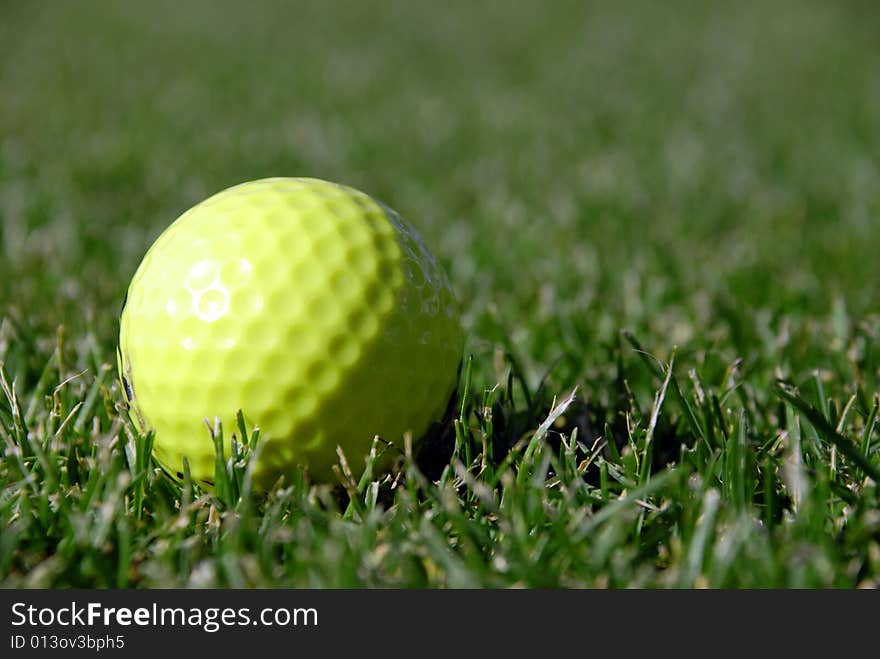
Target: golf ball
(311, 307)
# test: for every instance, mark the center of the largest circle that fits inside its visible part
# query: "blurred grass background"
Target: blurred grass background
(705, 175)
(685, 170)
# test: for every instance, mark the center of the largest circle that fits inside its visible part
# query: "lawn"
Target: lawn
(660, 221)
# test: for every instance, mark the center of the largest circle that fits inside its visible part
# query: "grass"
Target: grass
(661, 222)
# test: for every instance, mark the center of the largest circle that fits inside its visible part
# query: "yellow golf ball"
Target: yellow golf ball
(308, 305)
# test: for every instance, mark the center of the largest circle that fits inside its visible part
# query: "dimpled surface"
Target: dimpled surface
(308, 305)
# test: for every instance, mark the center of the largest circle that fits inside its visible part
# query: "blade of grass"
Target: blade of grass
(821, 424)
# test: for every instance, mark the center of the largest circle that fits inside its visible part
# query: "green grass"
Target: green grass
(661, 220)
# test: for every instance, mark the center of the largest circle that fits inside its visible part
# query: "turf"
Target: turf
(660, 220)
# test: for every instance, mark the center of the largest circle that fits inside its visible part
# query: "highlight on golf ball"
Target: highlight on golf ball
(311, 307)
